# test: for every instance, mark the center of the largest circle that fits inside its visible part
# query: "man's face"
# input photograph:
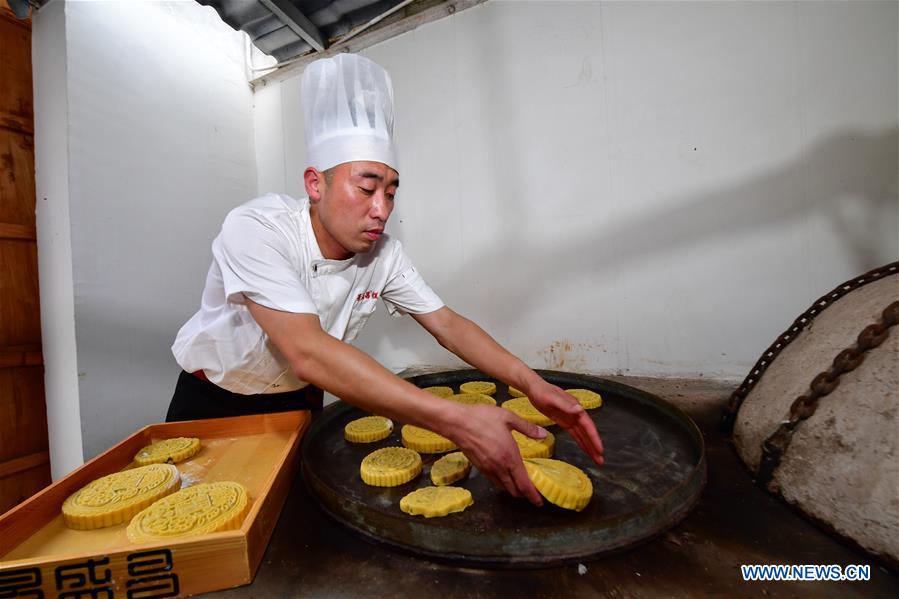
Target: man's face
(351, 207)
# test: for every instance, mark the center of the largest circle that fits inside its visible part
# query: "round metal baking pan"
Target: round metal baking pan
(653, 474)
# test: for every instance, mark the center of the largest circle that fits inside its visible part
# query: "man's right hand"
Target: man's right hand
(484, 435)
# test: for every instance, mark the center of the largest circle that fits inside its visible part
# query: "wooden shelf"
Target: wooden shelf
(10, 231)
(24, 463)
(21, 355)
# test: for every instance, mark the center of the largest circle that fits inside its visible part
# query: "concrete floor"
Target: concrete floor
(734, 523)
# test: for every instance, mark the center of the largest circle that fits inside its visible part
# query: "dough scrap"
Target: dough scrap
(390, 467)
(432, 502)
(115, 498)
(196, 510)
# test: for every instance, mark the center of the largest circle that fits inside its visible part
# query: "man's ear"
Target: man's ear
(315, 182)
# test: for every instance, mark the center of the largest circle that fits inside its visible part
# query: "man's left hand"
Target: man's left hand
(565, 411)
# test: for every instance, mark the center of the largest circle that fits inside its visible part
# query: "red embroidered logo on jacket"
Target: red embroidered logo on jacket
(368, 295)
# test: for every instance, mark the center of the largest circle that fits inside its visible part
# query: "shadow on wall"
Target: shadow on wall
(850, 178)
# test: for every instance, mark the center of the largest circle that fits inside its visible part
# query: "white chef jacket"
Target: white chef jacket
(267, 252)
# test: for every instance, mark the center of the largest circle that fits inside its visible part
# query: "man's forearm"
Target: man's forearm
(341, 369)
(474, 345)
(355, 377)
(468, 341)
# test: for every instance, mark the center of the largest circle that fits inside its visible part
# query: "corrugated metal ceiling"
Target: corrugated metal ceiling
(287, 29)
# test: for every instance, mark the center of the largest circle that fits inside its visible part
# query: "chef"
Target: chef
(292, 281)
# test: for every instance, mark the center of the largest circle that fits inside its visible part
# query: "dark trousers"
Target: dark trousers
(197, 399)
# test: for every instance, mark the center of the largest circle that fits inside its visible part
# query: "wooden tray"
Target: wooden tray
(40, 557)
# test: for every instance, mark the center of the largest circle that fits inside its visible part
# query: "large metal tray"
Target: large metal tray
(653, 474)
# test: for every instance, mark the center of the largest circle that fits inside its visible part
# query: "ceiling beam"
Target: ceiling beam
(291, 16)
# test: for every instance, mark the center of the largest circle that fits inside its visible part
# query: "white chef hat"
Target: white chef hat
(348, 109)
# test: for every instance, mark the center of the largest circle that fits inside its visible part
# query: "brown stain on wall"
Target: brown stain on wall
(566, 355)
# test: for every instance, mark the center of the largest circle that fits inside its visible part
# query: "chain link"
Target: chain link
(805, 405)
(804, 319)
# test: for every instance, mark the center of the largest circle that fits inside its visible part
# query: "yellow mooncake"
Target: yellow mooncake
(115, 498)
(368, 429)
(535, 448)
(168, 451)
(524, 408)
(485, 387)
(588, 399)
(196, 510)
(513, 392)
(450, 468)
(390, 466)
(473, 399)
(425, 441)
(561, 483)
(432, 502)
(439, 391)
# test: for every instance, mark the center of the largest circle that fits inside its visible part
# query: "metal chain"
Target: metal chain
(739, 395)
(805, 405)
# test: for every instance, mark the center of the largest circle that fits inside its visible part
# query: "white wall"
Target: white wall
(159, 142)
(645, 188)
(635, 187)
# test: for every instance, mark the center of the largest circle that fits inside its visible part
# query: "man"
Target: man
(292, 281)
